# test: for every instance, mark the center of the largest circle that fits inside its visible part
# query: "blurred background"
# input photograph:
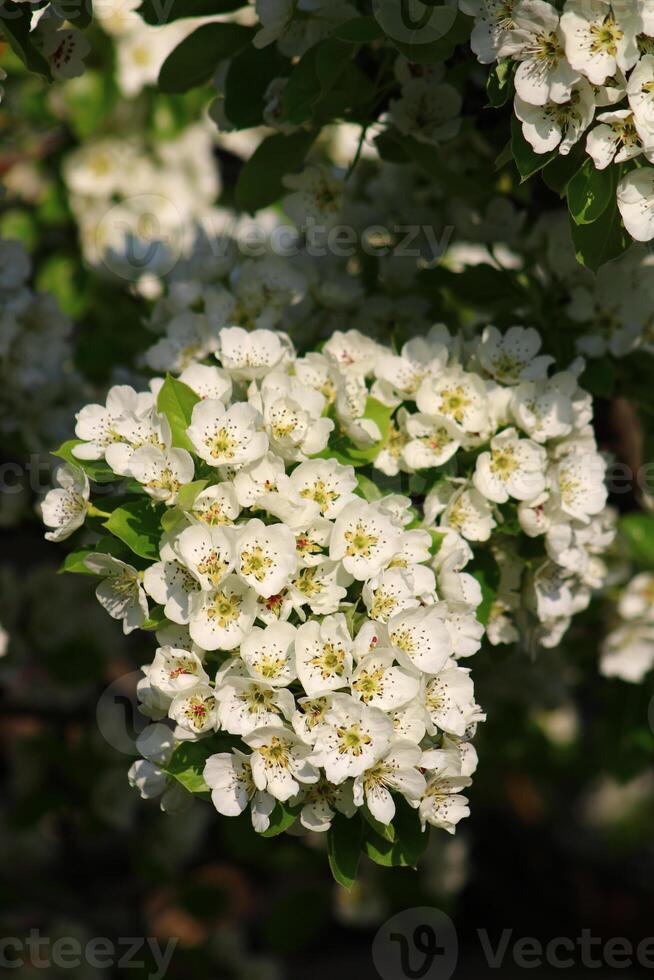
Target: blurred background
(560, 838)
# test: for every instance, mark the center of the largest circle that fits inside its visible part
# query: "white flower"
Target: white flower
(421, 639)
(248, 354)
(350, 738)
(171, 585)
(427, 111)
(162, 474)
(363, 539)
(420, 358)
(195, 712)
(449, 698)
(322, 587)
(176, 672)
(514, 467)
(64, 509)
(326, 482)
(219, 620)
(266, 556)
(442, 804)
(597, 41)
(493, 19)
(320, 803)
(535, 40)
(637, 599)
(380, 684)
(227, 437)
(616, 139)
(96, 423)
(292, 416)
(557, 124)
(352, 352)
(389, 593)
(317, 201)
(430, 441)
(208, 553)
(148, 779)
(323, 655)
(513, 357)
(135, 431)
(245, 705)
(229, 777)
(464, 628)
(469, 513)
(640, 93)
(121, 592)
(216, 506)
(208, 381)
(544, 408)
(579, 480)
(458, 396)
(188, 337)
(279, 762)
(269, 654)
(636, 203)
(156, 743)
(628, 652)
(64, 50)
(397, 770)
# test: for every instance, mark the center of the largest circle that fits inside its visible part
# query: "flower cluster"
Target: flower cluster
(312, 619)
(593, 55)
(301, 615)
(628, 650)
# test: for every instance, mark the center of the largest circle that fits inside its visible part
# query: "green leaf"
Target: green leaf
(75, 560)
(78, 12)
(407, 844)
(590, 192)
(385, 831)
(137, 523)
(302, 89)
(15, 24)
(194, 61)
(558, 174)
(359, 30)
(500, 83)
(188, 494)
(602, 241)
(96, 469)
(249, 75)
(260, 181)
(188, 761)
(177, 401)
(638, 532)
(156, 620)
(526, 159)
(282, 817)
(158, 12)
(344, 848)
(367, 488)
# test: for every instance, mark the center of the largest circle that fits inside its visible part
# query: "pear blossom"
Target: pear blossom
(449, 700)
(208, 553)
(350, 738)
(326, 482)
(557, 124)
(377, 682)
(64, 509)
(321, 802)
(229, 777)
(514, 467)
(269, 654)
(636, 203)
(493, 19)
(397, 770)
(536, 42)
(442, 804)
(171, 585)
(245, 705)
(227, 437)
(459, 397)
(251, 354)
(513, 357)
(266, 557)
(176, 671)
(220, 619)
(162, 474)
(121, 592)
(323, 655)
(363, 539)
(600, 37)
(420, 639)
(216, 506)
(279, 762)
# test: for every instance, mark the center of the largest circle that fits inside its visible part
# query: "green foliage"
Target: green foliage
(499, 86)
(260, 182)
(602, 241)
(637, 530)
(176, 401)
(282, 817)
(15, 23)
(590, 192)
(157, 12)
(96, 469)
(526, 159)
(194, 61)
(249, 75)
(137, 523)
(400, 846)
(344, 848)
